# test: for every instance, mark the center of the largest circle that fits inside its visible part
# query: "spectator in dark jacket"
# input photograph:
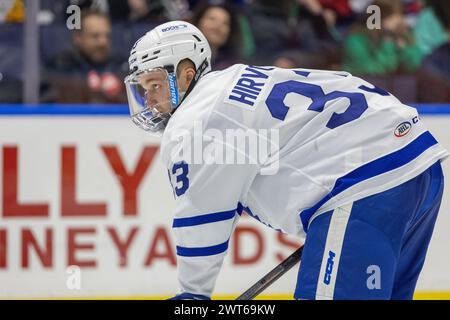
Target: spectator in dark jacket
(434, 75)
(220, 26)
(89, 72)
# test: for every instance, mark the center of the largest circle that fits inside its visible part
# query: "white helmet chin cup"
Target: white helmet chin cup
(164, 47)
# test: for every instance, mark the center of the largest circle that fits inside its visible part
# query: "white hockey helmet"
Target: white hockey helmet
(156, 55)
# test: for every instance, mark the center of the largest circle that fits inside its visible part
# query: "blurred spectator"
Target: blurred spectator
(55, 11)
(391, 49)
(429, 31)
(286, 62)
(137, 10)
(297, 59)
(411, 10)
(12, 11)
(324, 17)
(89, 72)
(12, 16)
(11, 65)
(337, 11)
(434, 75)
(95, 5)
(154, 11)
(220, 26)
(148, 10)
(177, 9)
(140, 10)
(316, 36)
(270, 30)
(286, 32)
(359, 6)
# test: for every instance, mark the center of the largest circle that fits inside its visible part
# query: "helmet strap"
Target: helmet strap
(199, 72)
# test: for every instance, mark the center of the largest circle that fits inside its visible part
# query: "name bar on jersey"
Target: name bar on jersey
(249, 85)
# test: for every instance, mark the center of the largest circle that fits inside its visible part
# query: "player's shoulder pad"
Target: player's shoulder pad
(195, 111)
(203, 99)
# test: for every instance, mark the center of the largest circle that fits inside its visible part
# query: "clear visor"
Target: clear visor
(152, 96)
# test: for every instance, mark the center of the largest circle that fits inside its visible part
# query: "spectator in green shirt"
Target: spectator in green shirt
(390, 49)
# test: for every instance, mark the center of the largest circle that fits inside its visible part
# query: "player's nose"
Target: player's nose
(152, 101)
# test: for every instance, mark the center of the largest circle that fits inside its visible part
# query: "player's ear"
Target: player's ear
(190, 73)
(186, 76)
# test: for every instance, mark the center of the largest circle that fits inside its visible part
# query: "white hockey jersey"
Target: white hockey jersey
(333, 138)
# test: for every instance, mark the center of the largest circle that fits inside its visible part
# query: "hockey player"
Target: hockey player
(347, 165)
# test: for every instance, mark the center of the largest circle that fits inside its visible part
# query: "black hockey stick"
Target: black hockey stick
(272, 276)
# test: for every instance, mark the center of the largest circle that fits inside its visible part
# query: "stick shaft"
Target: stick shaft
(272, 276)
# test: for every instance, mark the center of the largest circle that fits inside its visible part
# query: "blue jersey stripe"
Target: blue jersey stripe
(369, 170)
(203, 219)
(202, 251)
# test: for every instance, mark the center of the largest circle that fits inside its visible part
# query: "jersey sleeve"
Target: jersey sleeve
(207, 193)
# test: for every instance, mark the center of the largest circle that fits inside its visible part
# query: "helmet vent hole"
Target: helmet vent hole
(201, 51)
(198, 39)
(157, 51)
(149, 59)
(144, 56)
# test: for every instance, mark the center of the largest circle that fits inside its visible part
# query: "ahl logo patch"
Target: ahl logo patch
(402, 129)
